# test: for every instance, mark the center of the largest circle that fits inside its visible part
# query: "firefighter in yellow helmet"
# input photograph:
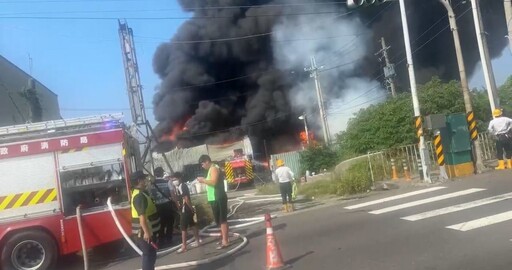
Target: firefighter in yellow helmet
(501, 128)
(285, 177)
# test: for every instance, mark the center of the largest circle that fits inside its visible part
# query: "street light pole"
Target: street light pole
(463, 80)
(484, 57)
(416, 105)
(508, 17)
(303, 117)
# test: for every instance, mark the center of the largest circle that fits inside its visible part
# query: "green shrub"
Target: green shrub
(318, 189)
(318, 158)
(356, 179)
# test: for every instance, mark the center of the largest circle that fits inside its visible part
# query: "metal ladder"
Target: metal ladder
(60, 123)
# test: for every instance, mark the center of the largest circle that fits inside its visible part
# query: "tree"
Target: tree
(390, 123)
(317, 158)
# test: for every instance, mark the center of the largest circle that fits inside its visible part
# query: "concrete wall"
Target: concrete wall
(13, 108)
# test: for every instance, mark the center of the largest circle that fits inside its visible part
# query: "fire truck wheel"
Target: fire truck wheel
(29, 250)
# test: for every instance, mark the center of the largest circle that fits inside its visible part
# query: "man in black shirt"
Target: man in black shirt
(187, 213)
(164, 204)
(145, 220)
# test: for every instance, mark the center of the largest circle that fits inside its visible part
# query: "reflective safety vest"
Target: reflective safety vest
(151, 215)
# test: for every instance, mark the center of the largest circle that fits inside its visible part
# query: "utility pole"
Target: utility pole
(479, 166)
(313, 69)
(508, 17)
(490, 82)
(424, 156)
(389, 69)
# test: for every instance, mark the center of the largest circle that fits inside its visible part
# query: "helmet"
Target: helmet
(497, 112)
(279, 162)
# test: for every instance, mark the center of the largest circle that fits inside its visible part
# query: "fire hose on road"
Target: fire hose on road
(208, 231)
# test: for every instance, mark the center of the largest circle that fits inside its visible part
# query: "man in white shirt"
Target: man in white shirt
(285, 177)
(501, 128)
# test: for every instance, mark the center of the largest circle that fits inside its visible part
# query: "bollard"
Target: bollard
(440, 155)
(394, 174)
(407, 174)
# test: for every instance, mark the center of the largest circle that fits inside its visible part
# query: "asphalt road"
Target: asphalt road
(333, 237)
(376, 235)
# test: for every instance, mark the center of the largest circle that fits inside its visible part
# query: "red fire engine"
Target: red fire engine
(49, 169)
(239, 169)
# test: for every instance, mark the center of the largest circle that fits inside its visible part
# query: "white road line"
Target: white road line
(405, 195)
(481, 222)
(458, 207)
(429, 200)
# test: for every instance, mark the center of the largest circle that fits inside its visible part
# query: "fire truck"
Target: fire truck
(238, 169)
(48, 171)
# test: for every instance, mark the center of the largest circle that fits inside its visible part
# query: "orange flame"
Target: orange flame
(179, 128)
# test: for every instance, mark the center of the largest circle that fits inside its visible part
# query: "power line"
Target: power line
(358, 105)
(165, 18)
(426, 31)
(360, 34)
(158, 10)
(415, 51)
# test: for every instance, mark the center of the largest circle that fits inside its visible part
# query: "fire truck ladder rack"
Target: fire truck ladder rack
(73, 122)
(134, 88)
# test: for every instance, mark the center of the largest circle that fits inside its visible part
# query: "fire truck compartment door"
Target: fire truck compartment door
(28, 186)
(95, 154)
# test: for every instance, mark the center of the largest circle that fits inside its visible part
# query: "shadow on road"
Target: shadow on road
(220, 263)
(263, 231)
(296, 259)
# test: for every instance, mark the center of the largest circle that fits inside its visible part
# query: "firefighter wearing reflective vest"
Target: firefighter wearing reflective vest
(145, 220)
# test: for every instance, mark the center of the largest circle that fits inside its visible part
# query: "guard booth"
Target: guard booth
(456, 142)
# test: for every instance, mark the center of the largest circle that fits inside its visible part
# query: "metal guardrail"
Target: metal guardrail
(380, 161)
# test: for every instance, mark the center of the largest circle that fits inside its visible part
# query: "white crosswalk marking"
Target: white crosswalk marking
(405, 195)
(424, 201)
(458, 207)
(482, 222)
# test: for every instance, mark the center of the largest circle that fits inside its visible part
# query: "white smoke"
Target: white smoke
(338, 44)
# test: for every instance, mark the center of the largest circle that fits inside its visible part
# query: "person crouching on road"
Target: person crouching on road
(501, 128)
(220, 203)
(285, 177)
(145, 220)
(187, 213)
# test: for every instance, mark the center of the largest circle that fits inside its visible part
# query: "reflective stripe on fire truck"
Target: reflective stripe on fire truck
(28, 198)
(248, 170)
(228, 169)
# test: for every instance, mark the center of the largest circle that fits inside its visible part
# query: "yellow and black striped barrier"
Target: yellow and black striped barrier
(418, 123)
(439, 150)
(473, 133)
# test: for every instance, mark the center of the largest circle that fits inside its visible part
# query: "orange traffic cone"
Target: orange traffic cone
(394, 174)
(274, 256)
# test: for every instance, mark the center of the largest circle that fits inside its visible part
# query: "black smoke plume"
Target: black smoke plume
(224, 89)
